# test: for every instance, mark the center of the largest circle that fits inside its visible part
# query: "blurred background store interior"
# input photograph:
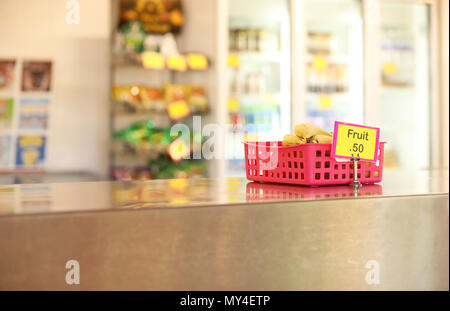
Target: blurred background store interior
(96, 100)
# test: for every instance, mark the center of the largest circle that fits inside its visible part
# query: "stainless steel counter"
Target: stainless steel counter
(227, 234)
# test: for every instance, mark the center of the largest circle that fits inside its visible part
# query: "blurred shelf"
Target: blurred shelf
(134, 60)
(19, 170)
(32, 176)
(163, 113)
(126, 149)
(253, 96)
(331, 58)
(392, 84)
(147, 113)
(332, 94)
(258, 57)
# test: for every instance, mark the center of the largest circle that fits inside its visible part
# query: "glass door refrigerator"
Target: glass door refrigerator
(368, 61)
(405, 93)
(333, 62)
(258, 69)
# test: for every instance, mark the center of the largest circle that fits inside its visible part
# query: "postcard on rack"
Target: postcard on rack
(7, 74)
(36, 76)
(5, 150)
(30, 150)
(6, 112)
(33, 113)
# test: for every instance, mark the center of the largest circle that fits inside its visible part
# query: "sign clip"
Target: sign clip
(356, 184)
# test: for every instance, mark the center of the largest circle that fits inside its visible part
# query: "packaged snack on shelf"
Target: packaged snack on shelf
(130, 173)
(126, 98)
(174, 92)
(178, 109)
(137, 98)
(197, 100)
(120, 93)
(176, 62)
(160, 137)
(160, 16)
(152, 60)
(197, 61)
(133, 36)
(175, 96)
(152, 43)
(142, 138)
(142, 173)
(135, 133)
(169, 45)
(151, 99)
(120, 173)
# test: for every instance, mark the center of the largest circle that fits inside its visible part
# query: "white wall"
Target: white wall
(78, 132)
(444, 76)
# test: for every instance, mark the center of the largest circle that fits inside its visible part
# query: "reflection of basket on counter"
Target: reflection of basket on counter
(306, 164)
(274, 192)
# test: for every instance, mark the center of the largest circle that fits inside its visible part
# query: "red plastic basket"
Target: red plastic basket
(306, 164)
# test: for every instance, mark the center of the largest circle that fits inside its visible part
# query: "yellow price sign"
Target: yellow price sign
(320, 63)
(355, 141)
(152, 60)
(390, 69)
(233, 60)
(177, 62)
(197, 61)
(233, 104)
(178, 109)
(325, 101)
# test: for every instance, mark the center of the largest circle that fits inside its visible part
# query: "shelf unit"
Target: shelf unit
(127, 69)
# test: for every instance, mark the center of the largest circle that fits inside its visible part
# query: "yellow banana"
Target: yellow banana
(322, 139)
(306, 131)
(292, 140)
